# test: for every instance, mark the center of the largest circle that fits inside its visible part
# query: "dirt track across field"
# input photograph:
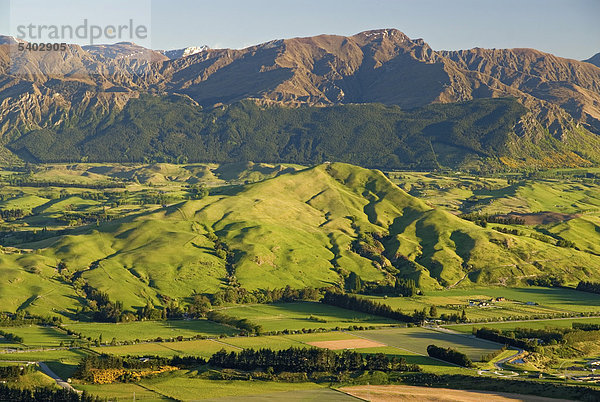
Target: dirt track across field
(358, 343)
(386, 393)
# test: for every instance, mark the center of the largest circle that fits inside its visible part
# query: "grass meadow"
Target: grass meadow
(416, 340)
(295, 316)
(537, 324)
(37, 336)
(546, 301)
(147, 330)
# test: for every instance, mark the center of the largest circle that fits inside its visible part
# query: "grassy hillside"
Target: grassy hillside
(373, 135)
(306, 228)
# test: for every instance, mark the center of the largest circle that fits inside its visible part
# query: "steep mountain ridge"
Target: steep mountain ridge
(595, 60)
(52, 90)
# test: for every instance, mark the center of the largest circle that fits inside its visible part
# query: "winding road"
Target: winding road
(46, 370)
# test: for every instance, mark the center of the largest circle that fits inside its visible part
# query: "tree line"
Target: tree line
(12, 214)
(22, 318)
(247, 326)
(292, 360)
(239, 295)
(486, 383)
(524, 338)
(364, 305)
(26, 181)
(44, 394)
(585, 326)
(308, 360)
(503, 220)
(449, 355)
(590, 287)
(11, 337)
(14, 372)
(101, 307)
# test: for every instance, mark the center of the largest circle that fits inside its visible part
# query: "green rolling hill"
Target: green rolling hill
(306, 228)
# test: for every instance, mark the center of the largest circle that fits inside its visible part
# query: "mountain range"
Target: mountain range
(46, 94)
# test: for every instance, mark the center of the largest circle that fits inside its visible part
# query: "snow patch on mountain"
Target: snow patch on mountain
(185, 52)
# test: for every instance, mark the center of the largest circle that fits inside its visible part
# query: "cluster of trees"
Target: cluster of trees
(541, 237)
(354, 282)
(11, 337)
(515, 232)
(405, 287)
(10, 196)
(22, 318)
(157, 198)
(368, 245)
(247, 326)
(12, 214)
(565, 243)
(591, 287)
(101, 307)
(497, 335)
(28, 181)
(198, 191)
(587, 336)
(364, 305)
(454, 317)
(373, 135)
(547, 336)
(149, 312)
(104, 361)
(449, 355)
(86, 218)
(585, 326)
(288, 294)
(223, 251)
(549, 281)
(12, 372)
(44, 394)
(489, 356)
(533, 339)
(198, 306)
(483, 219)
(293, 360)
(402, 287)
(523, 338)
(308, 360)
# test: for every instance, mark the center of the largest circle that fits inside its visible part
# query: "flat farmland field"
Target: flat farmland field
(356, 343)
(203, 348)
(321, 336)
(380, 393)
(519, 302)
(537, 324)
(122, 392)
(37, 336)
(295, 316)
(416, 340)
(275, 342)
(145, 330)
(186, 385)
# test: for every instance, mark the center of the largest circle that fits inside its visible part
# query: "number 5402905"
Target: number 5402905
(42, 47)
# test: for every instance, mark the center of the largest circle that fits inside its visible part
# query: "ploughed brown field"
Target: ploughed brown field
(384, 393)
(347, 344)
(540, 218)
